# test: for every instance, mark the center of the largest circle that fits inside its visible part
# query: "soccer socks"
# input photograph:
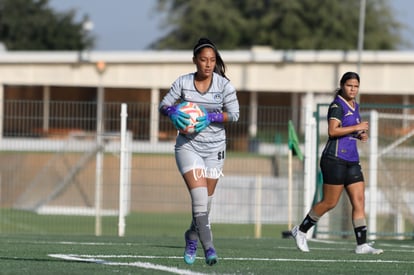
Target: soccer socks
(203, 228)
(199, 199)
(201, 224)
(192, 231)
(210, 200)
(310, 220)
(360, 229)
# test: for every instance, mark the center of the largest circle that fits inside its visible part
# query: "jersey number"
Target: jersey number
(220, 155)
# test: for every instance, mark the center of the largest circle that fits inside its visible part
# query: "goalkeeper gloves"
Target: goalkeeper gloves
(204, 121)
(178, 118)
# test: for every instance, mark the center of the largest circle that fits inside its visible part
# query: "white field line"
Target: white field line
(145, 265)
(104, 259)
(293, 247)
(99, 259)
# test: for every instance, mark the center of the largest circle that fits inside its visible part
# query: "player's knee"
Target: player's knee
(329, 205)
(199, 199)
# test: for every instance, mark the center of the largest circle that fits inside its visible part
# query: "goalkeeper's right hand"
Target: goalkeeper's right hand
(178, 118)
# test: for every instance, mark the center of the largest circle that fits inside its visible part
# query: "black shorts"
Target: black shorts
(338, 171)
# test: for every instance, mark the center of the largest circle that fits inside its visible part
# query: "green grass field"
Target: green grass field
(38, 244)
(32, 254)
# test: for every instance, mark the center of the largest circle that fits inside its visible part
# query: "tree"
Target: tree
(281, 24)
(32, 25)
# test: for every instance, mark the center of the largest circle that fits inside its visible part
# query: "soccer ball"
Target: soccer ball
(194, 111)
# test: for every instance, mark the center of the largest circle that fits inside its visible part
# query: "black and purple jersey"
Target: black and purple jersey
(344, 147)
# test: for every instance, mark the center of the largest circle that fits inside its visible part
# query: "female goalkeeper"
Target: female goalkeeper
(200, 156)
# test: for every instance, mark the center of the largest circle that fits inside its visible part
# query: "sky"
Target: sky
(118, 25)
(131, 25)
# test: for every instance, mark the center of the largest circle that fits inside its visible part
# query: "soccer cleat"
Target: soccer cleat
(367, 249)
(300, 239)
(190, 251)
(211, 256)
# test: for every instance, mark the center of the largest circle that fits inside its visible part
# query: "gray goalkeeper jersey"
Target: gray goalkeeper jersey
(220, 96)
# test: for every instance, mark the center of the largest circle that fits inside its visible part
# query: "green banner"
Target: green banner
(293, 141)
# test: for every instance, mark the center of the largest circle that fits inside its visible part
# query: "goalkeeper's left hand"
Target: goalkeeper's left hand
(208, 118)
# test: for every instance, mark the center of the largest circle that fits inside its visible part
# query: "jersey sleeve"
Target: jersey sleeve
(231, 103)
(173, 94)
(335, 112)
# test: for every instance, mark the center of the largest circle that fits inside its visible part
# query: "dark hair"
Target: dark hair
(345, 78)
(204, 43)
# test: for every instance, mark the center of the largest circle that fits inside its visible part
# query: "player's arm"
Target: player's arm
(231, 104)
(336, 130)
(171, 98)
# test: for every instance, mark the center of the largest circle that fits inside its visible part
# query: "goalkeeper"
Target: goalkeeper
(200, 155)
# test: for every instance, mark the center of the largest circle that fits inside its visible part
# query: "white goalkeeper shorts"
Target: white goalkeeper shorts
(210, 162)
